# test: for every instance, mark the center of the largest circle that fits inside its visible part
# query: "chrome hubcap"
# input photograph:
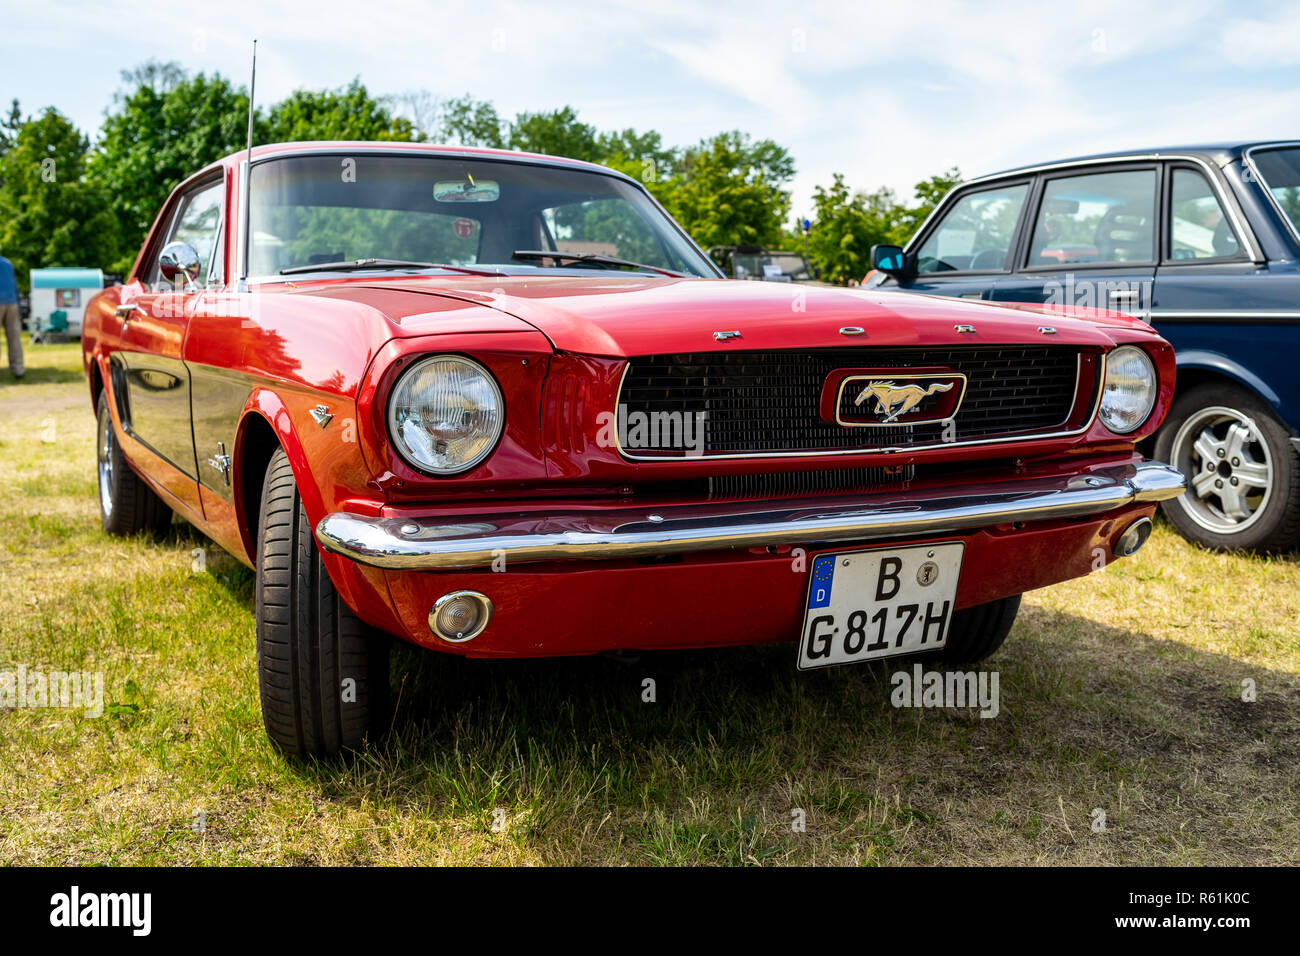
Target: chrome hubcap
(105, 456)
(1228, 466)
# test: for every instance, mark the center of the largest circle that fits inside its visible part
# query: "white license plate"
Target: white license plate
(880, 603)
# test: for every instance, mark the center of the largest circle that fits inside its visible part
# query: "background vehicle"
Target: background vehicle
(755, 262)
(1202, 242)
(419, 404)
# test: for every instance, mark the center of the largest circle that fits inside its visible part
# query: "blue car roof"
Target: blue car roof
(1218, 153)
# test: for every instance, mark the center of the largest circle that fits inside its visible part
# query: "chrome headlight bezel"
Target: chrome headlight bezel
(1126, 354)
(410, 455)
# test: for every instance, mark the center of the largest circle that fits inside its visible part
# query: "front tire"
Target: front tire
(127, 506)
(1243, 471)
(976, 632)
(321, 671)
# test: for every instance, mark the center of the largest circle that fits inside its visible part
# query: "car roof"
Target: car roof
(1220, 154)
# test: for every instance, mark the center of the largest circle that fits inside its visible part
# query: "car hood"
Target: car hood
(621, 315)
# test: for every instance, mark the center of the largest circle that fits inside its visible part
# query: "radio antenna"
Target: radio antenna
(248, 171)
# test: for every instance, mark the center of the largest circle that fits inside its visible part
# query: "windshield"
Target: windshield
(1280, 170)
(330, 210)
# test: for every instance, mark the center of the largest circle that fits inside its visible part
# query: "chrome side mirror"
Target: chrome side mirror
(179, 264)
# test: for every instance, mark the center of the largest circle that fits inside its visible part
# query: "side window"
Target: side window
(975, 235)
(198, 225)
(1097, 219)
(1198, 227)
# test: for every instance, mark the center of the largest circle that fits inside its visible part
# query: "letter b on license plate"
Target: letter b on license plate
(880, 603)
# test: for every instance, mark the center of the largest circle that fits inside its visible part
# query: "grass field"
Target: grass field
(1120, 693)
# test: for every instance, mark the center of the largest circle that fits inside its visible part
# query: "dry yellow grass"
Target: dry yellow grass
(1120, 693)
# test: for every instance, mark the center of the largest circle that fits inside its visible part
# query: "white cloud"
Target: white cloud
(1259, 44)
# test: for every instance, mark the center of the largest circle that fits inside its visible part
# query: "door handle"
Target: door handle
(1130, 302)
(127, 312)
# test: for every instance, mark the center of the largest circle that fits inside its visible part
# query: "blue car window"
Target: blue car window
(1198, 227)
(1098, 219)
(976, 234)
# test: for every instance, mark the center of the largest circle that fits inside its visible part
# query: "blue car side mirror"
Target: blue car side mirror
(888, 259)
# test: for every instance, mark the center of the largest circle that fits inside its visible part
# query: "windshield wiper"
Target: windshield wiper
(349, 265)
(593, 257)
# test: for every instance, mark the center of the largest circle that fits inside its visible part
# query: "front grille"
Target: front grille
(769, 402)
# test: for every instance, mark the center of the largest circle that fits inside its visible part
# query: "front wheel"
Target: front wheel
(322, 672)
(1243, 471)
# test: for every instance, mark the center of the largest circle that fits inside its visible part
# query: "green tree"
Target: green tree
(929, 193)
(9, 127)
(349, 113)
(556, 133)
(50, 215)
(847, 225)
(167, 126)
(163, 130)
(729, 190)
(469, 122)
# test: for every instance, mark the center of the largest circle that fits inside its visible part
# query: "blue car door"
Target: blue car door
(1218, 303)
(1091, 240)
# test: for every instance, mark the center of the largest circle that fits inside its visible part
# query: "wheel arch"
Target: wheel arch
(264, 426)
(1199, 367)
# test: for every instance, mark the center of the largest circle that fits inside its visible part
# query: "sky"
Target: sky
(885, 93)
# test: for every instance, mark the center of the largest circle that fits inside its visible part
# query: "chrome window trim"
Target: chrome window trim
(1259, 178)
(881, 450)
(1256, 254)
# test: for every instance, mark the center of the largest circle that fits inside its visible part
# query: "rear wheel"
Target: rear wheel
(976, 632)
(127, 505)
(1243, 471)
(322, 672)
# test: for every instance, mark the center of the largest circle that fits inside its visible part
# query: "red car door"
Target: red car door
(156, 405)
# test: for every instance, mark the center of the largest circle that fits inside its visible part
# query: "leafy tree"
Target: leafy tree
(346, 113)
(49, 214)
(729, 190)
(643, 156)
(9, 127)
(928, 193)
(847, 226)
(161, 132)
(556, 133)
(470, 122)
(168, 125)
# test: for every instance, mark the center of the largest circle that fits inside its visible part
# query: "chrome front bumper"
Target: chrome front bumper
(425, 544)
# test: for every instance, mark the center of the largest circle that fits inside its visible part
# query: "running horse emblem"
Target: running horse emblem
(895, 400)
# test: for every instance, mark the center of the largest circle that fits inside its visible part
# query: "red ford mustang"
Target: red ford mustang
(500, 405)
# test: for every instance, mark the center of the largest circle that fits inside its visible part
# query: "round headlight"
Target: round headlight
(445, 414)
(1129, 392)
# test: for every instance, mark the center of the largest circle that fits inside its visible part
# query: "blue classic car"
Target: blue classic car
(1204, 243)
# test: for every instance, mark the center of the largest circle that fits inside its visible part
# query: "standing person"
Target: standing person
(9, 314)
